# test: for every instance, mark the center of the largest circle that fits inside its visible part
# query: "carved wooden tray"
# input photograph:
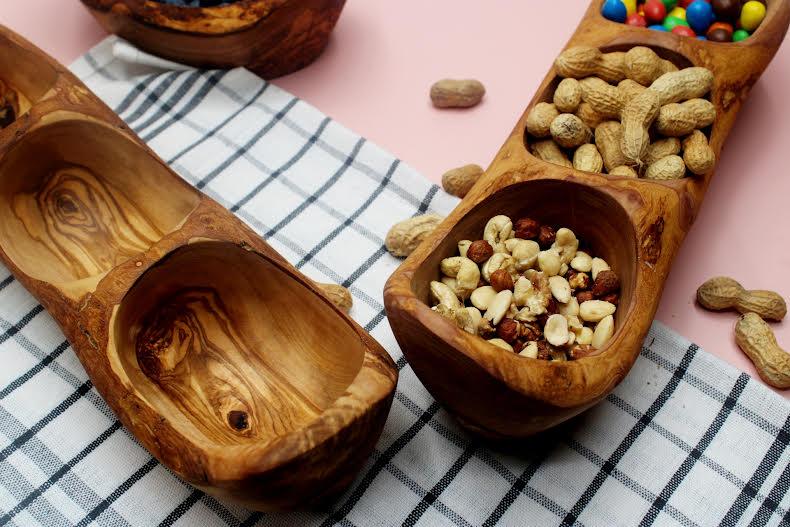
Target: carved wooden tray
(224, 361)
(636, 225)
(269, 37)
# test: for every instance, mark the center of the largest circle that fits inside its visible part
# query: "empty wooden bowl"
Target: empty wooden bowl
(269, 37)
(636, 225)
(225, 362)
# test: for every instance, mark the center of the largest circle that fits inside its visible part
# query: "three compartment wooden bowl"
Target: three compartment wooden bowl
(636, 225)
(226, 363)
(269, 37)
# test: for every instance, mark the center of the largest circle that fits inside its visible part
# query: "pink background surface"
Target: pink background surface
(384, 55)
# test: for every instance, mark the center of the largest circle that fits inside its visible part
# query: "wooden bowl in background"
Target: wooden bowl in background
(227, 364)
(636, 225)
(270, 37)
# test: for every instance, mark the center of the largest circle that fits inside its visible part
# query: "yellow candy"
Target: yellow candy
(680, 12)
(630, 6)
(751, 15)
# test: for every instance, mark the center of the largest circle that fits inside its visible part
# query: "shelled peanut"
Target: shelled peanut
(527, 288)
(634, 110)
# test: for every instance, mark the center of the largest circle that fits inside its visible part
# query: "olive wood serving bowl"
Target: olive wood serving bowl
(269, 37)
(636, 225)
(224, 361)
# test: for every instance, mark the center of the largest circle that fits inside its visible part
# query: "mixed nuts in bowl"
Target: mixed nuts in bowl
(526, 287)
(493, 391)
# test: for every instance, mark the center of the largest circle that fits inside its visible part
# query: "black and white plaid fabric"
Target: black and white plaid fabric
(685, 440)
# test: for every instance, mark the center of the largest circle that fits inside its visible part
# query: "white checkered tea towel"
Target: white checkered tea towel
(685, 440)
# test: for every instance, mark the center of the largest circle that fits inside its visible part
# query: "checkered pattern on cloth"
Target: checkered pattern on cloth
(684, 440)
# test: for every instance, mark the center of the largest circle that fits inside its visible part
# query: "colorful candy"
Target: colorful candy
(719, 35)
(685, 3)
(752, 14)
(739, 35)
(614, 10)
(636, 20)
(727, 10)
(714, 20)
(671, 22)
(684, 31)
(723, 26)
(678, 12)
(700, 16)
(655, 11)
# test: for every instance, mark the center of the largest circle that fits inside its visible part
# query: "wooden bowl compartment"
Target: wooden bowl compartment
(505, 395)
(226, 363)
(222, 338)
(75, 196)
(546, 94)
(637, 227)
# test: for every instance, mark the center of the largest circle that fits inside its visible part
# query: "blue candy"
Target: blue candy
(700, 15)
(657, 27)
(702, 37)
(614, 10)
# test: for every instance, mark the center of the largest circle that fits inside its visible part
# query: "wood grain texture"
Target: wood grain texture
(228, 365)
(636, 225)
(270, 37)
(89, 225)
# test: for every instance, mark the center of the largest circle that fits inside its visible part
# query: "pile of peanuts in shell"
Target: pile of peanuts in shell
(629, 114)
(527, 288)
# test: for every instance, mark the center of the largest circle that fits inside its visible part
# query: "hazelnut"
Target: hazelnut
(584, 296)
(544, 350)
(612, 298)
(519, 346)
(605, 283)
(479, 251)
(501, 280)
(580, 350)
(526, 229)
(508, 330)
(579, 281)
(530, 331)
(546, 236)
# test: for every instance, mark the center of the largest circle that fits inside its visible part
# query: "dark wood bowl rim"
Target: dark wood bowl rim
(219, 20)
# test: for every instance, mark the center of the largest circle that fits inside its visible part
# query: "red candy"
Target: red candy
(655, 11)
(684, 31)
(636, 20)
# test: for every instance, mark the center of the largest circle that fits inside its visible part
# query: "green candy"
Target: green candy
(670, 4)
(671, 22)
(739, 35)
